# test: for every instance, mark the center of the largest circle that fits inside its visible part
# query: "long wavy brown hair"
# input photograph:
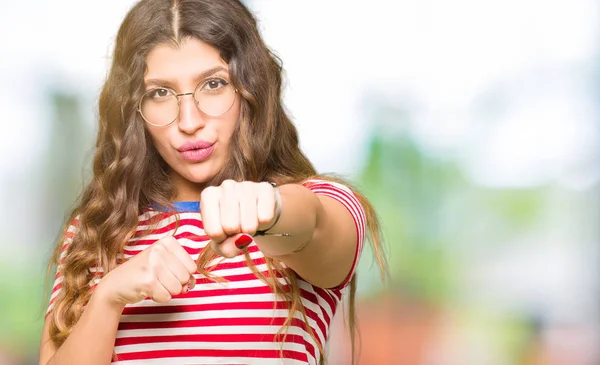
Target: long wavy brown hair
(129, 174)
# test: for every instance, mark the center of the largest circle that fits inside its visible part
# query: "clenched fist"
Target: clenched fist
(160, 271)
(235, 211)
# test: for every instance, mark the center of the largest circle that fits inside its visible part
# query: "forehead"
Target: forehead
(185, 62)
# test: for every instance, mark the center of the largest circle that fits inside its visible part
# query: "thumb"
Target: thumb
(232, 245)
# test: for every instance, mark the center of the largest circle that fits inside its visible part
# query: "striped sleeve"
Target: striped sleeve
(344, 195)
(66, 241)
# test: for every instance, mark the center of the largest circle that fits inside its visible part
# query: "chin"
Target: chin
(200, 177)
(200, 173)
(197, 178)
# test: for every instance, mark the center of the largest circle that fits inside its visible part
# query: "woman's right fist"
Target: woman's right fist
(161, 271)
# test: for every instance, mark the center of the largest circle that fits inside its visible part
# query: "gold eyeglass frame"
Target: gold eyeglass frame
(178, 96)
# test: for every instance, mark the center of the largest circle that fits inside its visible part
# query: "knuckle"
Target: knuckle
(183, 279)
(191, 267)
(229, 222)
(265, 187)
(210, 232)
(265, 217)
(163, 298)
(208, 192)
(181, 274)
(176, 289)
(168, 241)
(229, 228)
(248, 185)
(228, 183)
(249, 227)
(158, 248)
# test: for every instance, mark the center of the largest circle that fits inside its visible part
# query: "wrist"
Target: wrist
(297, 227)
(264, 228)
(101, 297)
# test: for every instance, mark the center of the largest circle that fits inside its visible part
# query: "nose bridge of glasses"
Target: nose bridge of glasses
(189, 113)
(183, 110)
(194, 100)
(182, 94)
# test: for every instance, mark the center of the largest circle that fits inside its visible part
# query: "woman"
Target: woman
(205, 236)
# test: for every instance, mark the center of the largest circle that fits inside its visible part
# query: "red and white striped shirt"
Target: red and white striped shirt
(231, 322)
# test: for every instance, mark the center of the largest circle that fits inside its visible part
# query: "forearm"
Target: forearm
(93, 337)
(323, 244)
(301, 211)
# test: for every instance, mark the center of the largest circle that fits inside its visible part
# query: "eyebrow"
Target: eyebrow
(200, 76)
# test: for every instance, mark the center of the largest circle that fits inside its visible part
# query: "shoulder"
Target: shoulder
(316, 183)
(340, 191)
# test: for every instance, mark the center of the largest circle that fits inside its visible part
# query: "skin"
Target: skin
(321, 249)
(178, 68)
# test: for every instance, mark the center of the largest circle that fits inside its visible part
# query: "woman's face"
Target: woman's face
(196, 144)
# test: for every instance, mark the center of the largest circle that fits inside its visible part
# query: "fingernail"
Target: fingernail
(185, 289)
(243, 241)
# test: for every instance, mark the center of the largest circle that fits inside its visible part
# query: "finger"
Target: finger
(159, 294)
(211, 213)
(176, 268)
(192, 282)
(169, 281)
(265, 204)
(216, 247)
(233, 245)
(230, 208)
(248, 207)
(175, 248)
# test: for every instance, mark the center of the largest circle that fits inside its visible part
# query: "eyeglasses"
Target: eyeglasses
(160, 106)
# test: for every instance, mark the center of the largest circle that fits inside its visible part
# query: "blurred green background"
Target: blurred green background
(473, 127)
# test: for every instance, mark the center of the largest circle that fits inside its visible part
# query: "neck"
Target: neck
(186, 190)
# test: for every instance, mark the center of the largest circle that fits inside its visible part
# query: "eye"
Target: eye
(214, 84)
(159, 93)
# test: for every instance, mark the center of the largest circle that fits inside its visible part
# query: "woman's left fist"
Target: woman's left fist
(234, 211)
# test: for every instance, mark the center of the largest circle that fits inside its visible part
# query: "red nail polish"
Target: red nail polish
(243, 241)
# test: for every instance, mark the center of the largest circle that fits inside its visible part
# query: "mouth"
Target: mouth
(196, 151)
(195, 145)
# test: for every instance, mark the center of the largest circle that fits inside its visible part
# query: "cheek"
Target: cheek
(226, 129)
(159, 140)
(226, 133)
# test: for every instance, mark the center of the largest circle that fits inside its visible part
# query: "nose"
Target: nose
(190, 118)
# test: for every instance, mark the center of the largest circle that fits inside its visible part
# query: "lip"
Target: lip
(196, 151)
(195, 145)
